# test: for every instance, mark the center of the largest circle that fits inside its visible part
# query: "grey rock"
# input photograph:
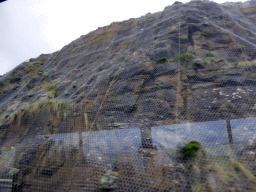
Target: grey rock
(131, 72)
(160, 53)
(122, 103)
(154, 109)
(198, 64)
(166, 69)
(33, 82)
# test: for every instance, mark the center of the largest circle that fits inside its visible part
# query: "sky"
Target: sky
(29, 28)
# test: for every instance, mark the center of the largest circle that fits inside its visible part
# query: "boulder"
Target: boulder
(198, 64)
(160, 53)
(201, 77)
(165, 95)
(124, 103)
(164, 82)
(232, 80)
(135, 70)
(33, 82)
(165, 69)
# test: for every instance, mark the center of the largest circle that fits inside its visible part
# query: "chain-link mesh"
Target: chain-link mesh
(165, 102)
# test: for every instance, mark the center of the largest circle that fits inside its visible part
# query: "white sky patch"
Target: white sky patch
(5, 62)
(33, 27)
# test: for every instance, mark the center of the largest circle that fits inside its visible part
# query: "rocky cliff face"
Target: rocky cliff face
(191, 62)
(115, 68)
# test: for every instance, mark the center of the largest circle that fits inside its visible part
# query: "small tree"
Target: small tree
(184, 58)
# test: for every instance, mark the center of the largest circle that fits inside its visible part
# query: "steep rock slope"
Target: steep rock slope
(208, 74)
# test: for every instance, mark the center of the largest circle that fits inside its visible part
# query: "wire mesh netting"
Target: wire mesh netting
(165, 102)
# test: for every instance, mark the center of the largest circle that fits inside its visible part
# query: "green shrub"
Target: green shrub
(210, 55)
(126, 59)
(190, 150)
(1, 84)
(161, 59)
(184, 58)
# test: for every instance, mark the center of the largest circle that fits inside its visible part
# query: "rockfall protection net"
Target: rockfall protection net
(166, 103)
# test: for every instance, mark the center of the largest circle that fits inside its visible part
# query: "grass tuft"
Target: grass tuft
(51, 89)
(184, 58)
(53, 106)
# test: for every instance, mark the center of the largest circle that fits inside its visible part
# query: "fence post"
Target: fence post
(230, 137)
